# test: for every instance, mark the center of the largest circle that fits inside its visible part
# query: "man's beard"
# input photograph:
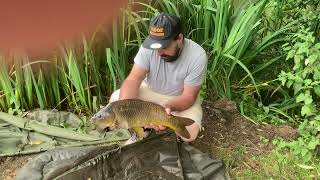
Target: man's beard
(168, 58)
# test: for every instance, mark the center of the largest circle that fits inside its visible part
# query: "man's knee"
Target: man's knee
(193, 130)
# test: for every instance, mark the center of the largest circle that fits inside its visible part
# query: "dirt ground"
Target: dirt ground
(224, 128)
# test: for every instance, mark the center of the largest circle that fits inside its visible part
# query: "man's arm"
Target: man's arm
(185, 100)
(191, 87)
(130, 86)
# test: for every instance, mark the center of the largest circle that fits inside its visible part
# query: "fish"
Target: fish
(135, 114)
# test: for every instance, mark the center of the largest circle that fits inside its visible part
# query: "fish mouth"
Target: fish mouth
(103, 125)
(95, 121)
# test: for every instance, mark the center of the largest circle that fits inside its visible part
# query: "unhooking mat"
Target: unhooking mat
(157, 157)
(41, 130)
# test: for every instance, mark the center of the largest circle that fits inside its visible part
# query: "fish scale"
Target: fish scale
(132, 112)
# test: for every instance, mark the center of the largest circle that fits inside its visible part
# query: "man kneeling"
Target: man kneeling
(169, 70)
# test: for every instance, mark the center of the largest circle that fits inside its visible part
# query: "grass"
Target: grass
(243, 165)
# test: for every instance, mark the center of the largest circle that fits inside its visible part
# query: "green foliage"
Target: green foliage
(281, 12)
(269, 167)
(229, 45)
(306, 145)
(305, 74)
(274, 113)
(303, 80)
(9, 93)
(298, 75)
(241, 163)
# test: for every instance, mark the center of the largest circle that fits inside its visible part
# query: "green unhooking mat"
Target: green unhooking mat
(157, 157)
(41, 130)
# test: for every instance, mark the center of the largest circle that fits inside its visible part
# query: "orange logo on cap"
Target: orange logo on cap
(156, 31)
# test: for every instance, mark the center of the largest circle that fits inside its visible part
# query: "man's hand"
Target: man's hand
(155, 127)
(166, 107)
(160, 127)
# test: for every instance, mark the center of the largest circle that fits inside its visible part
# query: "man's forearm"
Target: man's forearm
(180, 103)
(129, 89)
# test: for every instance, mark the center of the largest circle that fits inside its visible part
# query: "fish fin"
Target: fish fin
(184, 121)
(182, 131)
(139, 132)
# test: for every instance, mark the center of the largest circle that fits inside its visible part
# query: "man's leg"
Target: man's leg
(194, 113)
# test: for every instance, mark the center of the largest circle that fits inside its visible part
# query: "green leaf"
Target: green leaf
(282, 77)
(316, 75)
(313, 144)
(308, 98)
(291, 53)
(317, 46)
(307, 82)
(297, 60)
(304, 151)
(303, 166)
(283, 80)
(307, 110)
(297, 87)
(302, 49)
(298, 79)
(300, 98)
(289, 83)
(307, 157)
(304, 73)
(312, 59)
(317, 90)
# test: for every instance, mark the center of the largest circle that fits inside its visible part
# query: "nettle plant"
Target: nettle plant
(304, 79)
(305, 75)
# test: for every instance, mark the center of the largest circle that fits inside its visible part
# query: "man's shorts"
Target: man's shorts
(145, 93)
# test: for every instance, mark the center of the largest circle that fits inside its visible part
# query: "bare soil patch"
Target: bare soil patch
(228, 135)
(224, 127)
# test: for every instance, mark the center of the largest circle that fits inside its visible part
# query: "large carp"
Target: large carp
(135, 114)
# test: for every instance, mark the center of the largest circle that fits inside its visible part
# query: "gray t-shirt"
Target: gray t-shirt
(168, 78)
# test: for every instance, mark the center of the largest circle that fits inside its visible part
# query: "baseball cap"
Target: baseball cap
(162, 30)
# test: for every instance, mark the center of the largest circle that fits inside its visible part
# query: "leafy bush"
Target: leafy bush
(304, 81)
(304, 78)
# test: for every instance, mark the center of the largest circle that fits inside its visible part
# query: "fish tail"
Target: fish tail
(182, 131)
(181, 123)
(184, 121)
